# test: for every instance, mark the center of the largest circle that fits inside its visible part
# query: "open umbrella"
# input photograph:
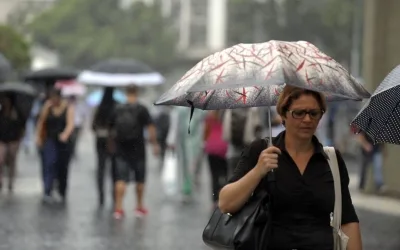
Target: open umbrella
(120, 72)
(380, 116)
(252, 75)
(17, 88)
(51, 75)
(71, 88)
(23, 96)
(249, 75)
(96, 96)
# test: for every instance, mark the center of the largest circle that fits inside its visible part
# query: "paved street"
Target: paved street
(171, 224)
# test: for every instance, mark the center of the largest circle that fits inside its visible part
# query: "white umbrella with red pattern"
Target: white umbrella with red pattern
(251, 75)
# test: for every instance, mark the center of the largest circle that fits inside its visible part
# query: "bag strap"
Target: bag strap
(334, 166)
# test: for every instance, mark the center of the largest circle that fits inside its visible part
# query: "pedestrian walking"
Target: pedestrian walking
(216, 148)
(54, 129)
(100, 127)
(127, 125)
(11, 132)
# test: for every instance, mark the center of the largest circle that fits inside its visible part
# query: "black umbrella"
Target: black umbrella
(23, 96)
(380, 116)
(120, 72)
(17, 88)
(5, 68)
(51, 75)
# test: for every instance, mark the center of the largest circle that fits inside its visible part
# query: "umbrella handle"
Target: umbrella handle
(270, 129)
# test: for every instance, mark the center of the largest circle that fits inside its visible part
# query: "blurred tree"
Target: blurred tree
(87, 31)
(15, 48)
(326, 23)
(337, 27)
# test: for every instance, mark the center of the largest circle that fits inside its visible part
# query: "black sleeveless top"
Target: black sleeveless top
(11, 127)
(55, 124)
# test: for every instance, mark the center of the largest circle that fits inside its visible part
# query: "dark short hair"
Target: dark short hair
(54, 92)
(291, 93)
(132, 89)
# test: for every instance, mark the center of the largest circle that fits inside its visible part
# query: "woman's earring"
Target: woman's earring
(283, 123)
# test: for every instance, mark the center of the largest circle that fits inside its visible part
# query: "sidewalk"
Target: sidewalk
(171, 225)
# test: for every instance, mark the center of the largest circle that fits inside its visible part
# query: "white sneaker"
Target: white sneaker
(47, 199)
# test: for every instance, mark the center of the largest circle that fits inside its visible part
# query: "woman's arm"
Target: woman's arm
(352, 230)
(233, 196)
(69, 128)
(40, 123)
(244, 181)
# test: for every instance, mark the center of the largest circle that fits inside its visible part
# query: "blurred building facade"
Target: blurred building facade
(201, 25)
(9, 7)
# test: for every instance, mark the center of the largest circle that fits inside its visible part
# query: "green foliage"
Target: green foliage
(14, 47)
(87, 31)
(326, 23)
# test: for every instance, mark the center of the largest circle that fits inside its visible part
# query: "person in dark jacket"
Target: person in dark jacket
(303, 192)
(101, 130)
(12, 127)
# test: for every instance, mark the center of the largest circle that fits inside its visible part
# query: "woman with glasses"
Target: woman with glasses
(303, 194)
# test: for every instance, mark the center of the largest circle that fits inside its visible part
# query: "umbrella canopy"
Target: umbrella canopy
(249, 75)
(71, 88)
(380, 116)
(51, 75)
(17, 88)
(23, 96)
(96, 96)
(5, 68)
(120, 72)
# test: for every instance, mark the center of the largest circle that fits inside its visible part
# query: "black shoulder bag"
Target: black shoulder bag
(247, 229)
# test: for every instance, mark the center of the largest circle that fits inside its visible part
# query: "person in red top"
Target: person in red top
(216, 148)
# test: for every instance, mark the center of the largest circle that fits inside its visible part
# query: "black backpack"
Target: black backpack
(238, 124)
(162, 124)
(127, 122)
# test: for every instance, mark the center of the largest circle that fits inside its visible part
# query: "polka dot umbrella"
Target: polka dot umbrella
(379, 118)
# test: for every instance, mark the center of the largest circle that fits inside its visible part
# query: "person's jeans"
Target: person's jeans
(56, 157)
(376, 159)
(219, 174)
(102, 156)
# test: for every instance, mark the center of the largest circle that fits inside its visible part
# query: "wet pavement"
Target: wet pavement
(171, 224)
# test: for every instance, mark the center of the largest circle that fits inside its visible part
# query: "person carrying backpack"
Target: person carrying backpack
(240, 128)
(127, 125)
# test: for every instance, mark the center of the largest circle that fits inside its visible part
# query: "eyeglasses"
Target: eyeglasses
(315, 114)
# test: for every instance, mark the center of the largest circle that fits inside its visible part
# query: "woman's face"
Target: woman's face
(55, 99)
(303, 117)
